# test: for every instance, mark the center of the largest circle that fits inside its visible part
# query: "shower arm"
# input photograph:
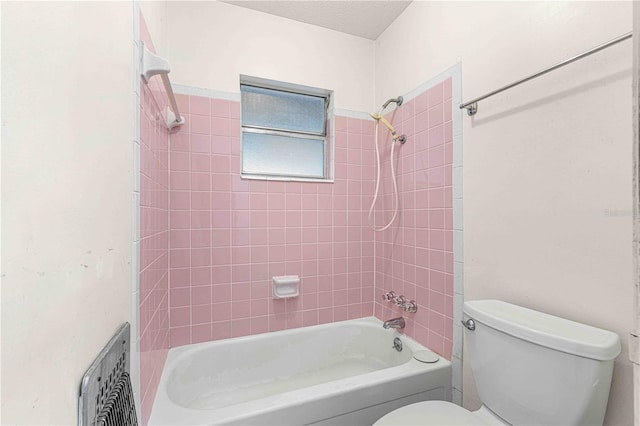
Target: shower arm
(397, 100)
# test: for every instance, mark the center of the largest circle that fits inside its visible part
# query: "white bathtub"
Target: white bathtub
(341, 373)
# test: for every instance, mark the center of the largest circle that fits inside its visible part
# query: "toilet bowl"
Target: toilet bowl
(438, 413)
(529, 368)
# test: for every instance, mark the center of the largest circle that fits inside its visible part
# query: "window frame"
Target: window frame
(327, 136)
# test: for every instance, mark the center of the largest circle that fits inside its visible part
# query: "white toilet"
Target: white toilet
(530, 368)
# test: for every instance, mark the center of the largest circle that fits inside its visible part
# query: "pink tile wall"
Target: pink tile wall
(229, 236)
(154, 236)
(415, 256)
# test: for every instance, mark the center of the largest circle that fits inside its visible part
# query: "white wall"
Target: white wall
(635, 347)
(66, 198)
(211, 43)
(544, 162)
(155, 16)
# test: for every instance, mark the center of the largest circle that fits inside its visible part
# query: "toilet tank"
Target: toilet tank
(532, 368)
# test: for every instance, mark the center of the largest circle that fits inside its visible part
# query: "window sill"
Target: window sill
(285, 179)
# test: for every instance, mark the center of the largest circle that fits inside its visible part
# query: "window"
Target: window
(284, 130)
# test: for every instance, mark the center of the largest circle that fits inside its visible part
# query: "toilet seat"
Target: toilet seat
(431, 413)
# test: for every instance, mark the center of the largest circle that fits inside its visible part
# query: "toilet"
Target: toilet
(530, 368)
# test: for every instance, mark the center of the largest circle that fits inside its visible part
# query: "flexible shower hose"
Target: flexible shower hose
(395, 183)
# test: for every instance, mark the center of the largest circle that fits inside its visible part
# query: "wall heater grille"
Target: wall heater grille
(106, 395)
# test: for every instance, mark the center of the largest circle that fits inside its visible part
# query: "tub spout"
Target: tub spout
(394, 323)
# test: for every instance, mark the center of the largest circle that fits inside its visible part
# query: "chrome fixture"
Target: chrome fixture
(388, 296)
(469, 324)
(472, 105)
(411, 306)
(400, 301)
(397, 344)
(394, 323)
(397, 100)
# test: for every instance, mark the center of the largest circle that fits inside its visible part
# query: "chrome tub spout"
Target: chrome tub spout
(394, 323)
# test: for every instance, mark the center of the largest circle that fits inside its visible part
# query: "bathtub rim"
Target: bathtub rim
(179, 352)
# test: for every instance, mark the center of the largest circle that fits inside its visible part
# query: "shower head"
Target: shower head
(379, 118)
(396, 137)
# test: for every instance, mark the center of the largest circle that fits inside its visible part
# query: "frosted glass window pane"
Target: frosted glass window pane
(273, 109)
(267, 154)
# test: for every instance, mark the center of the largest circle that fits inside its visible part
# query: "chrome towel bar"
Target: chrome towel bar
(472, 105)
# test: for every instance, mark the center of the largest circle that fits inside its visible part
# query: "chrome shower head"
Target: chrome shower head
(379, 118)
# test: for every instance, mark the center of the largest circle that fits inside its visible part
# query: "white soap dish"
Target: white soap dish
(286, 286)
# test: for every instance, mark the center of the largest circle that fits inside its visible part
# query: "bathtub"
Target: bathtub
(340, 373)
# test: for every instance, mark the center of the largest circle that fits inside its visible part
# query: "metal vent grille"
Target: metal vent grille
(106, 386)
(119, 408)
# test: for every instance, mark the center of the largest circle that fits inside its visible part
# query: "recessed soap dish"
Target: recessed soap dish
(286, 286)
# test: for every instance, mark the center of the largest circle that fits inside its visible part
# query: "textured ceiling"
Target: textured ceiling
(366, 19)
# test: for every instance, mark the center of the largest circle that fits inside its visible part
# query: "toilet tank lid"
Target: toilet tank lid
(546, 330)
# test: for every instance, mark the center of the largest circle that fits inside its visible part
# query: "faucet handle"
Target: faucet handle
(410, 306)
(400, 301)
(388, 296)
